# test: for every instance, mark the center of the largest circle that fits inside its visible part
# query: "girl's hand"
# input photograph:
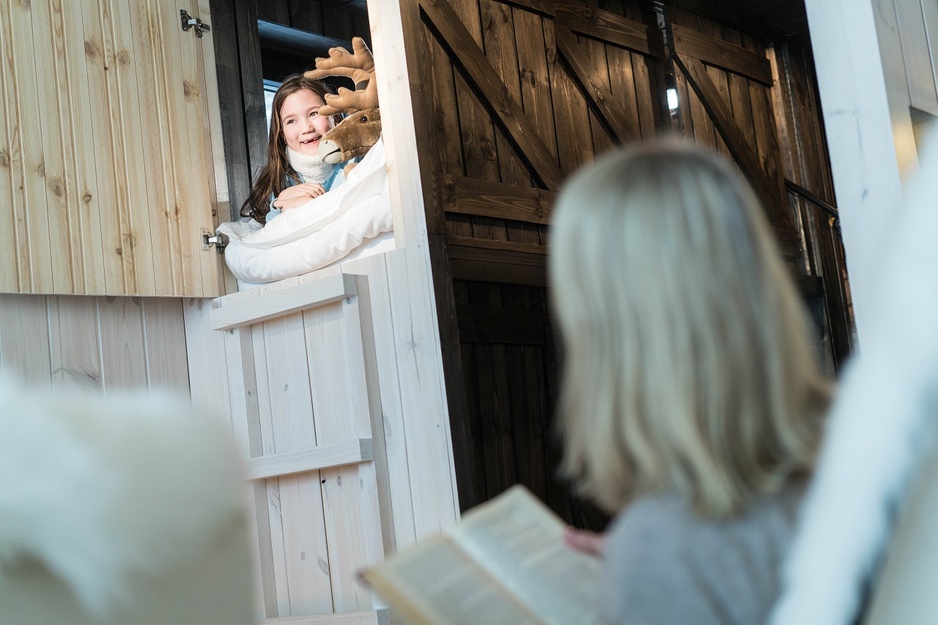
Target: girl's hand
(582, 540)
(298, 194)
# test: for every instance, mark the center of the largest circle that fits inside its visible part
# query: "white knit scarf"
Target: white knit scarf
(309, 166)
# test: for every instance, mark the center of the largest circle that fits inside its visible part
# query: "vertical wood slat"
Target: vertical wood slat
(12, 266)
(158, 157)
(194, 180)
(48, 48)
(123, 345)
(535, 88)
(573, 146)
(33, 208)
(499, 36)
(74, 343)
(24, 338)
(476, 127)
(84, 211)
(94, 343)
(126, 114)
(87, 205)
(341, 413)
(98, 56)
(295, 502)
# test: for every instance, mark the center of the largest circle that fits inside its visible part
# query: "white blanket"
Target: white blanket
(322, 231)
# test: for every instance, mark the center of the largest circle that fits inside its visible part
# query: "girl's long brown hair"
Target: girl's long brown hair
(272, 178)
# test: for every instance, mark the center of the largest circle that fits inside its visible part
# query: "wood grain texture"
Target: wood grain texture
(485, 78)
(466, 196)
(607, 27)
(723, 54)
(595, 86)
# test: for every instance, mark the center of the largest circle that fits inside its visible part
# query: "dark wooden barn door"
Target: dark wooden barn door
(729, 96)
(514, 95)
(518, 94)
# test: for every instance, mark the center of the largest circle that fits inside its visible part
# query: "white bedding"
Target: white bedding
(327, 229)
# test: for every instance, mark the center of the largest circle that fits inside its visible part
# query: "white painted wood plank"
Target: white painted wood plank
(313, 459)
(165, 335)
(123, 355)
(919, 68)
(24, 338)
(305, 587)
(244, 411)
(390, 444)
(340, 411)
(206, 361)
(867, 125)
(423, 400)
(74, 343)
(372, 617)
(283, 301)
(413, 308)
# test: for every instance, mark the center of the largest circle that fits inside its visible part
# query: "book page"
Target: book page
(520, 541)
(436, 583)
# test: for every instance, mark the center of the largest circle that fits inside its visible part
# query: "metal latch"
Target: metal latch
(189, 22)
(209, 238)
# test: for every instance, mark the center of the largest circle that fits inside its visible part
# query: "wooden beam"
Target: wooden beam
(245, 311)
(491, 244)
(547, 8)
(722, 54)
(770, 192)
(509, 113)
(489, 264)
(607, 106)
(467, 196)
(609, 28)
(313, 459)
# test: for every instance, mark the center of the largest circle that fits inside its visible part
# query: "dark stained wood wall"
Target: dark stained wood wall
(514, 95)
(517, 95)
(807, 164)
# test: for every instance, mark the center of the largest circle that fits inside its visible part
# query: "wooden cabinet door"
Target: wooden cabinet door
(108, 113)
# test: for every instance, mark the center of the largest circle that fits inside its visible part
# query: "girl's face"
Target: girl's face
(300, 122)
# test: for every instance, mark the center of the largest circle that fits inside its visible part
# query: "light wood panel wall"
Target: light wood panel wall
(106, 175)
(97, 343)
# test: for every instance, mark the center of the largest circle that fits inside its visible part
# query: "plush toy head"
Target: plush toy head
(355, 134)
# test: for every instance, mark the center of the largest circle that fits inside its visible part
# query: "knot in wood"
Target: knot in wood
(86, 198)
(4, 159)
(57, 188)
(91, 50)
(123, 58)
(189, 89)
(488, 149)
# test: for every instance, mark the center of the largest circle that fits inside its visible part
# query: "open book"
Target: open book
(506, 562)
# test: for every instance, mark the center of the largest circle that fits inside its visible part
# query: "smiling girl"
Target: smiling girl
(294, 173)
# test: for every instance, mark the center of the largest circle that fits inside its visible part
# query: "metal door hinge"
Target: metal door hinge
(209, 238)
(193, 22)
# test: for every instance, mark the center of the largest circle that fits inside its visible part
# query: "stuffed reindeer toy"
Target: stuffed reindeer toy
(361, 128)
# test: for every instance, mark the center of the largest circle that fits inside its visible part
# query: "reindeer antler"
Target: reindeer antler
(360, 67)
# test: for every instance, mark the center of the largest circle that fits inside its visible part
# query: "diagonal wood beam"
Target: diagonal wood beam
(485, 78)
(771, 192)
(607, 105)
(609, 27)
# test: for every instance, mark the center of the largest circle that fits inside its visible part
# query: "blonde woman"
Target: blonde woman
(691, 402)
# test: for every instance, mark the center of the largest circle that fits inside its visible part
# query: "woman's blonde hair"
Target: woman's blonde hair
(687, 364)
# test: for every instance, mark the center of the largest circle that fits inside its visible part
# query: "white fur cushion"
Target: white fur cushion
(99, 489)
